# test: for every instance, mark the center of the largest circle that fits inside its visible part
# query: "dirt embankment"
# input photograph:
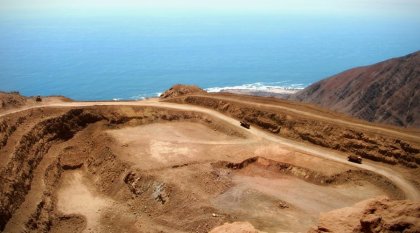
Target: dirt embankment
(11, 100)
(375, 215)
(372, 216)
(327, 134)
(180, 90)
(7, 128)
(317, 177)
(17, 175)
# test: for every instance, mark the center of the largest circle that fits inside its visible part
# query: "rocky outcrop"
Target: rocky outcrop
(387, 92)
(180, 90)
(372, 216)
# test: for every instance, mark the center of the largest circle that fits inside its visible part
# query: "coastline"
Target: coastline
(281, 89)
(277, 89)
(275, 92)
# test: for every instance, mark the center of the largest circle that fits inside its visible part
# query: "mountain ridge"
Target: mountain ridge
(385, 92)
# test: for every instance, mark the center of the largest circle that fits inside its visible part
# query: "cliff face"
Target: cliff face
(386, 92)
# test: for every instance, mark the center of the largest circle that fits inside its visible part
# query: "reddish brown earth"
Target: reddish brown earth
(11, 100)
(180, 90)
(153, 166)
(374, 215)
(387, 92)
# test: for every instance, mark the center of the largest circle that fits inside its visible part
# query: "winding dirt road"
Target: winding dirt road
(411, 192)
(321, 117)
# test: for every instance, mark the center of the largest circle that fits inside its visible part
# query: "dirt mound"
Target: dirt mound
(180, 90)
(386, 92)
(238, 227)
(372, 216)
(11, 100)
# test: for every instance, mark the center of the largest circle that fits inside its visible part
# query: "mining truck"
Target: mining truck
(355, 159)
(245, 124)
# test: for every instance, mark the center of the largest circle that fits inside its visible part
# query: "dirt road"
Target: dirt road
(321, 117)
(410, 190)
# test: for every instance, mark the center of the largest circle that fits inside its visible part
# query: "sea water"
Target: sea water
(136, 56)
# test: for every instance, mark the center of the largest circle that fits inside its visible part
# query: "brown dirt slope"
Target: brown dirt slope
(373, 216)
(180, 90)
(11, 100)
(17, 175)
(386, 92)
(14, 101)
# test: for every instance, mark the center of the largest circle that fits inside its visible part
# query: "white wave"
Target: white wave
(259, 86)
(116, 99)
(143, 97)
(137, 97)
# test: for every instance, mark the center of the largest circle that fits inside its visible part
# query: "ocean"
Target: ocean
(135, 56)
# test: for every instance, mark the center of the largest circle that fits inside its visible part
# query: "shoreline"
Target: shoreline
(277, 92)
(274, 92)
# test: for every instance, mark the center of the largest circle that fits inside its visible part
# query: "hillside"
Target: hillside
(11, 100)
(386, 92)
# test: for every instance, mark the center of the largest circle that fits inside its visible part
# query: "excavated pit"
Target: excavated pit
(146, 169)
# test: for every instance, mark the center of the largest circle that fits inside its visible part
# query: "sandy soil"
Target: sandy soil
(159, 145)
(286, 203)
(77, 196)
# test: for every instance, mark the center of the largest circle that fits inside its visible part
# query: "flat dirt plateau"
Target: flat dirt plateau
(152, 169)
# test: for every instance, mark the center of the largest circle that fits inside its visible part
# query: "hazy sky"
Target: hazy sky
(351, 7)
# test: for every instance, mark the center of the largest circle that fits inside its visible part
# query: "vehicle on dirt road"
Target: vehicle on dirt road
(355, 159)
(245, 124)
